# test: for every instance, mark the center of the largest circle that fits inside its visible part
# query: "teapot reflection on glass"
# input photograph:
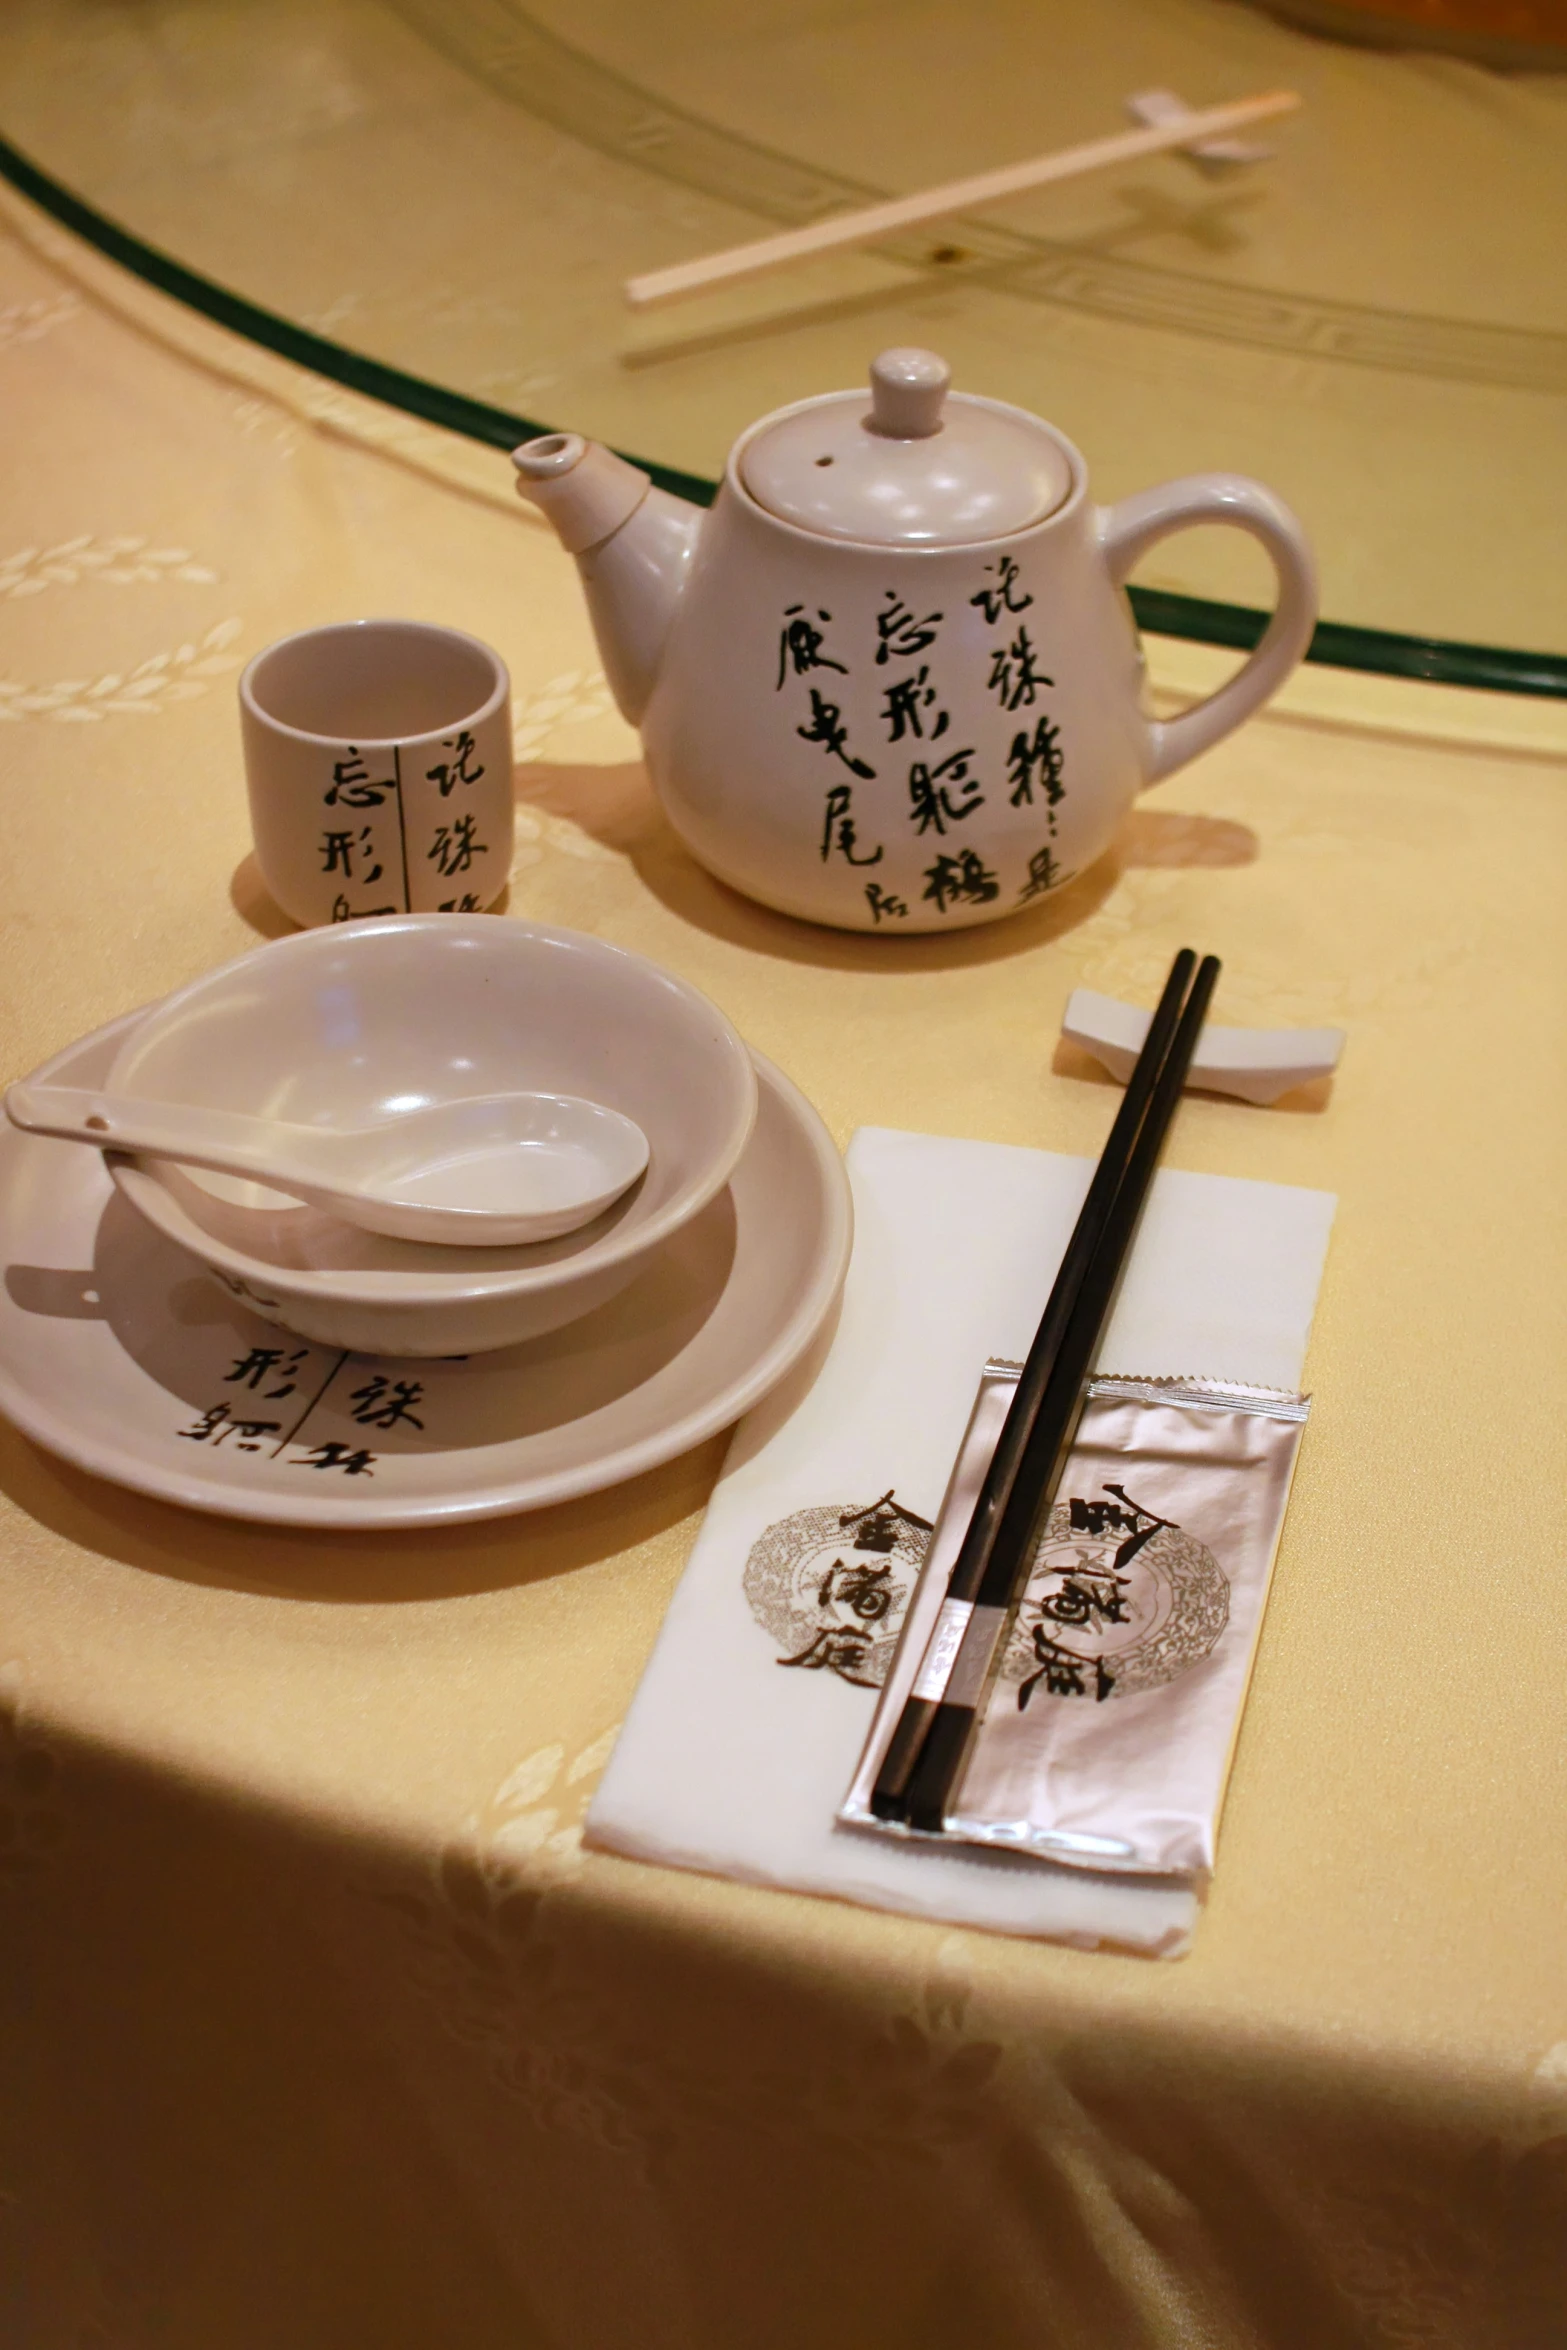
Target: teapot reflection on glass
(891, 681)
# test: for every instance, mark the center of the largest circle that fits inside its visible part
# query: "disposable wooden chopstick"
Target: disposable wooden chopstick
(956, 1672)
(967, 195)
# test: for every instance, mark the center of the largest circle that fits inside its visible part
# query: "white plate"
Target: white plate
(121, 1352)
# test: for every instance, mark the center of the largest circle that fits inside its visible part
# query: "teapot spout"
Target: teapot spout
(633, 545)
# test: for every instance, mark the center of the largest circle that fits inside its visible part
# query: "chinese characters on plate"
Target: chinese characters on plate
(277, 1399)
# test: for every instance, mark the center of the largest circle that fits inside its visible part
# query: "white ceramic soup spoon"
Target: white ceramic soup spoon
(482, 1173)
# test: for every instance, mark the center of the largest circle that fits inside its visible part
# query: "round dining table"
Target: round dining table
(322, 2025)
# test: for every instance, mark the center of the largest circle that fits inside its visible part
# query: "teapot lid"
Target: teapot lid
(914, 469)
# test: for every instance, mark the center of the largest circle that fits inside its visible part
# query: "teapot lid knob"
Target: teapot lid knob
(917, 466)
(908, 389)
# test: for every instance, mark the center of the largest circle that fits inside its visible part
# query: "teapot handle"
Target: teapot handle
(1127, 531)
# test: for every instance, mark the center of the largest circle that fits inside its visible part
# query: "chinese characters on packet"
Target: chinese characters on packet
(1085, 1597)
(941, 781)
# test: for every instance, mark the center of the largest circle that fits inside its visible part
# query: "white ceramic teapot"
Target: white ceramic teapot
(890, 681)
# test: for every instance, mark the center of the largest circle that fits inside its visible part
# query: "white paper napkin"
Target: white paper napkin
(733, 1766)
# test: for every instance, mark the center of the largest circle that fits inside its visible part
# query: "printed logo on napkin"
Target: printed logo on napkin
(831, 1585)
(1118, 1600)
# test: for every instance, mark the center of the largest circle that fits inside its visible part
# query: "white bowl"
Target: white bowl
(341, 1026)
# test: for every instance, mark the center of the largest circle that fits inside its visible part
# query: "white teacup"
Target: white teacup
(378, 761)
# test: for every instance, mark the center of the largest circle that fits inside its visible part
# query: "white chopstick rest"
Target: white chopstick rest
(1254, 1064)
(1163, 106)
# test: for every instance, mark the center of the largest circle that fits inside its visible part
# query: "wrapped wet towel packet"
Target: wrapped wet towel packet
(1112, 1715)
(755, 1707)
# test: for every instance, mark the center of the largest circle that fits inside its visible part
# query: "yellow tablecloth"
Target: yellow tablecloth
(322, 2029)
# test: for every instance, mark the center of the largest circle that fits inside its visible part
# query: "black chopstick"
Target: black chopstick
(890, 1793)
(931, 1737)
(942, 1757)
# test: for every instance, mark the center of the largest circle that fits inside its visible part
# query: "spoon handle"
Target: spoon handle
(222, 1140)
